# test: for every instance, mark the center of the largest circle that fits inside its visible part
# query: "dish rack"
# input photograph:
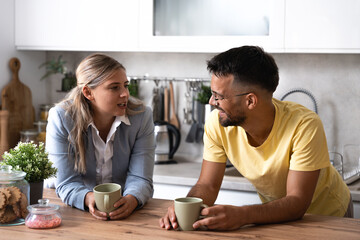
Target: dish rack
(347, 163)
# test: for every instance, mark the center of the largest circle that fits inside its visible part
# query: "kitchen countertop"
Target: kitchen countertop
(144, 224)
(186, 173)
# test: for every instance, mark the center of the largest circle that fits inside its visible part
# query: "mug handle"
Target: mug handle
(203, 228)
(201, 208)
(106, 201)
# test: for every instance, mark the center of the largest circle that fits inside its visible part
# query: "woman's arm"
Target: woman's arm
(69, 184)
(141, 166)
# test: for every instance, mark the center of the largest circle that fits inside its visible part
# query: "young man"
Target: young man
(280, 147)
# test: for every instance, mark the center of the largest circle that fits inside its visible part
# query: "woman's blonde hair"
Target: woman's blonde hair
(92, 72)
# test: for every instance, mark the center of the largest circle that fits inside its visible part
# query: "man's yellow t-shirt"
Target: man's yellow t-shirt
(297, 142)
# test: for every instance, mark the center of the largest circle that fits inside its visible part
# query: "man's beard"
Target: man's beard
(230, 120)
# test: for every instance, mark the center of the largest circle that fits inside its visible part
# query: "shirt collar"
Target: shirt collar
(123, 119)
(118, 120)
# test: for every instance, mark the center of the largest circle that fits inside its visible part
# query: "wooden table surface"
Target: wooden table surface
(143, 224)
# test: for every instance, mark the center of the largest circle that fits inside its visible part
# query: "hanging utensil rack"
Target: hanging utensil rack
(166, 79)
(192, 86)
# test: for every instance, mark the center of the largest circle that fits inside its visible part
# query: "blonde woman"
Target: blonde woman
(99, 134)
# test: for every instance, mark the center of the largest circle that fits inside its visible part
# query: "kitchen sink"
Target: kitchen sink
(232, 171)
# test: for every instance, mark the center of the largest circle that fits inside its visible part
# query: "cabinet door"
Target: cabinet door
(210, 25)
(322, 26)
(99, 25)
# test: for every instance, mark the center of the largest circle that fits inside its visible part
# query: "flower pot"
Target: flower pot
(36, 191)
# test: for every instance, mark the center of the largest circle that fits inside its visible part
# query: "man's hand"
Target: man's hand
(206, 188)
(169, 220)
(126, 205)
(221, 217)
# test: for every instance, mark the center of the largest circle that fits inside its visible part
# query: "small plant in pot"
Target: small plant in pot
(53, 66)
(32, 159)
(204, 94)
(204, 108)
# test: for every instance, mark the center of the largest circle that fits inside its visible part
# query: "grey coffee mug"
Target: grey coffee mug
(106, 195)
(187, 211)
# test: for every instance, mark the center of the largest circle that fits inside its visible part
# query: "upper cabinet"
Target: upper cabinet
(89, 25)
(322, 26)
(210, 25)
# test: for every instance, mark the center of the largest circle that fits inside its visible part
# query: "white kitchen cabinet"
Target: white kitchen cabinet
(84, 25)
(227, 197)
(297, 26)
(210, 25)
(322, 26)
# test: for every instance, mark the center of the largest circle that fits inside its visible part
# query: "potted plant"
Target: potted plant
(32, 159)
(58, 66)
(204, 108)
(204, 94)
(134, 87)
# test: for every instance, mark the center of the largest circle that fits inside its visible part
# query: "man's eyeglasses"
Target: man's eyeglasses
(217, 97)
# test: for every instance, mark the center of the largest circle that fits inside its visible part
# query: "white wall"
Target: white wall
(29, 73)
(334, 80)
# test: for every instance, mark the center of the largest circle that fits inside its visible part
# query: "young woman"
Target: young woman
(99, 134)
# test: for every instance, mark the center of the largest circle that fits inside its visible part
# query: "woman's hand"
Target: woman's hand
(126, 205)
(90, 203)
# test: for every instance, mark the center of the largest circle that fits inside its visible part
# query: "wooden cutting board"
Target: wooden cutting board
(4, 136)
(16, 98)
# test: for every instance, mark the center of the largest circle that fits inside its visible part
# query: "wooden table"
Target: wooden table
(143, 224)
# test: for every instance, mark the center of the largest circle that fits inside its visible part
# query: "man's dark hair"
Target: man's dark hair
(249, 65)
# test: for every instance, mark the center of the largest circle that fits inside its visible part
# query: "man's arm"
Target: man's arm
(300, 188)
(209, 182)
(206, 188)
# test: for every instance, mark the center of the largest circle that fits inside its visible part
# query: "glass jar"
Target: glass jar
(29, 135)
(41, 128)
(43, 215)
(15, 189)
(44, 111)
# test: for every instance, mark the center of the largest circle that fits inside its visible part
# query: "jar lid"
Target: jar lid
(46, 106)
(29, 132)
(43, 207)
(8, 174)
(40, 123)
